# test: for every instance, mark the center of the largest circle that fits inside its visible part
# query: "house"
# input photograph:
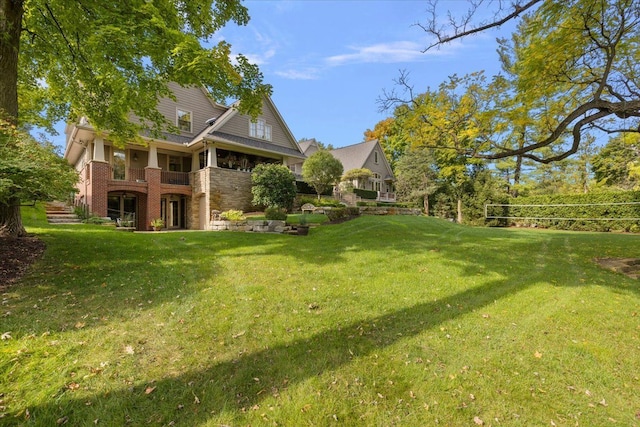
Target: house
(368, 154)
(183, 176)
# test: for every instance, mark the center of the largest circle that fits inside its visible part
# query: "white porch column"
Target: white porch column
(98, 149)
(153, 156)
(211, 157)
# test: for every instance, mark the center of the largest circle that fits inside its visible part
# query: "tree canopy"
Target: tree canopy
(322, 171)
(62, 59)
(102, 60)
(29, 171)
(573, 68)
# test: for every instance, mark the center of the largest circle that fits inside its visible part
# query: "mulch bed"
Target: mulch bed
(627, 266)
(16, 255)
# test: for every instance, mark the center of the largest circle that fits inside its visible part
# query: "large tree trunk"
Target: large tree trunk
(459, 210)
(11, 220)
(10, 26)
(425, 202)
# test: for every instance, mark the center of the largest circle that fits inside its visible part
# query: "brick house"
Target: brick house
(183, 176)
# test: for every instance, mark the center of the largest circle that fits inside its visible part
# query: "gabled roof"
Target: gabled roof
(254, 143)
(213, 132)
(355, 156)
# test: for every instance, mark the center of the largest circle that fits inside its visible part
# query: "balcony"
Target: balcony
(175, 178)
(386, 197)
(138, 175)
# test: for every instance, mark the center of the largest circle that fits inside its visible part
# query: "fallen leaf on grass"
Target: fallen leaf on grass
(149, 390)
(478, 421)
(129, 350)
(537, 354)
(6, 336)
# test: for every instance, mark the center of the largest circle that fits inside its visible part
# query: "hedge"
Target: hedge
(570, 211)
(366, 194)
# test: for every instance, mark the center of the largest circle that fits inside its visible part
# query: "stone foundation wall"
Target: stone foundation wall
(230, 189)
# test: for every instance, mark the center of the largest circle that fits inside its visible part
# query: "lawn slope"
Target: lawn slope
(377, 321)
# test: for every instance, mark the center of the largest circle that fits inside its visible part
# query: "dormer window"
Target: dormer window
(184, 120)
(260, 129)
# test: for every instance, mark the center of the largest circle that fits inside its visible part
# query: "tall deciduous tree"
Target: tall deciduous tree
(322, 171)
(60, 59)
(580, 56)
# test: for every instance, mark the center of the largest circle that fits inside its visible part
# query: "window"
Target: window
(119, 164)
(260, 129)
(375, 157)
(184, 120)
(375, 185)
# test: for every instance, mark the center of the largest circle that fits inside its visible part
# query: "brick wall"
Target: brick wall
(98, 187)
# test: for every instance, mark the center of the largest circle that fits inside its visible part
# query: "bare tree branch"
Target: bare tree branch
(460, 29)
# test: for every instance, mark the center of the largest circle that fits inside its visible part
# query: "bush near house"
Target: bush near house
(324, 202)
(274, 213)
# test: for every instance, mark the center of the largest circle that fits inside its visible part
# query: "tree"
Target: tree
(390, 135)
(29, 171)
(322, 171)
(274, 185)
(107, 60)
(580, 56)
(416, 176)
(357, 175)
(616, 163)
(448, 120)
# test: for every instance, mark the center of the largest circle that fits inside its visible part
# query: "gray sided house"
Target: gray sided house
(369, 155)
(185, 174)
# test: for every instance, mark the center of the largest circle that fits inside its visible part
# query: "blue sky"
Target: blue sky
(329, 61)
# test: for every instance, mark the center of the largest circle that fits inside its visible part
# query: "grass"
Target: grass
(378, 321)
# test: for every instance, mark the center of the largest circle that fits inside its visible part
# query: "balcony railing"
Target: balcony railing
(176, 178)
(386, 197)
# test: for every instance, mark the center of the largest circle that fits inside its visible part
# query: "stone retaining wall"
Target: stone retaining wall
(371, 210)
(261, 226)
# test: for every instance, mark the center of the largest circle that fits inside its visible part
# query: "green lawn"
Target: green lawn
(378, 321)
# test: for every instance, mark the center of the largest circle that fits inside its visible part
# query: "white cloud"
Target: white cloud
(261, 58)
(306, 74)
(402, 51)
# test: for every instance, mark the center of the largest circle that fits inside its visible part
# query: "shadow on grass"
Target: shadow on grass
(232, 386)
(240, 384)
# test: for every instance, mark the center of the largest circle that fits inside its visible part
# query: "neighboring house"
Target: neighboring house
(308, 147)
(367, 155)
(180, 177)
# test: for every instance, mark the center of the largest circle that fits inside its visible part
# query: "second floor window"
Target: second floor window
(184, 120)
(260, 129)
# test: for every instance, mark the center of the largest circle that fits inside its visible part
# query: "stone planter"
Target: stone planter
(302, 230)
